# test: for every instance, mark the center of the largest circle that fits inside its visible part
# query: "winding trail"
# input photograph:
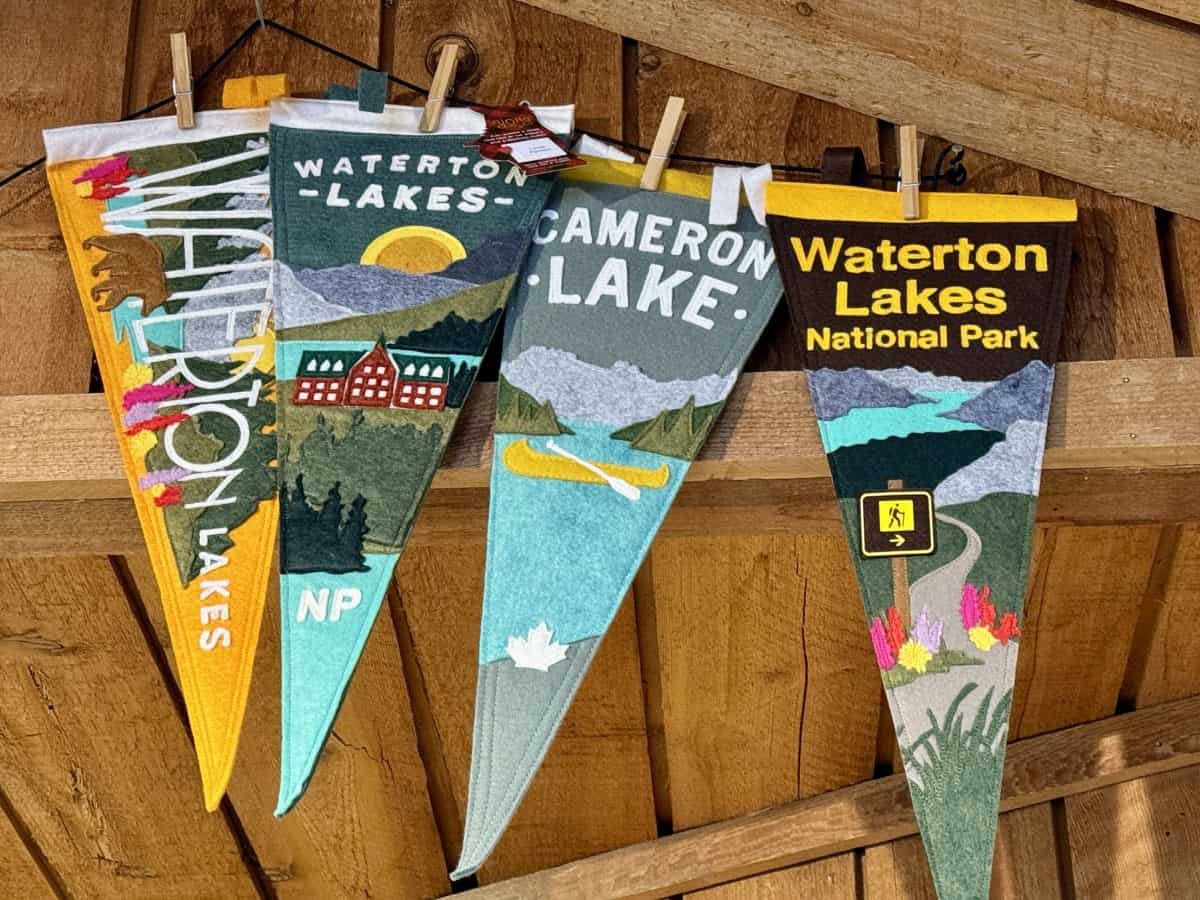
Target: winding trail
(940, 591)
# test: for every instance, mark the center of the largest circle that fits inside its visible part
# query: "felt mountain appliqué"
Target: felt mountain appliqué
(930, 348)
(630, 324)
(397, 252)
(169, 236)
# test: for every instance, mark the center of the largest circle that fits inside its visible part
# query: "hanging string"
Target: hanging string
(956, 174)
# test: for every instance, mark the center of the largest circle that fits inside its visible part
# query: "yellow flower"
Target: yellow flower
(136, 375)
(914, 656)
(982, 637)
(142, 443)
(157, 490)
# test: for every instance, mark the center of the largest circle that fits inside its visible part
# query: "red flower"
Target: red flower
(987, 610)
(155, 423)
(1007, 629)
(170, 496)
(895, 630)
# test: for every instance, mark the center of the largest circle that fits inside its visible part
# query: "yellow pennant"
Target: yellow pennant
(169, 236)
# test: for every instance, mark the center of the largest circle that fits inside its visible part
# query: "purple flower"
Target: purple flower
(927, 633)
(139, 412)
(885, 658)
(161, 476)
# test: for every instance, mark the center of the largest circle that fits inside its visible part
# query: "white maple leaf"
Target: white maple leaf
(536, 650)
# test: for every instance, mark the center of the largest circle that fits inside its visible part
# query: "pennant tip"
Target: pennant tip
(289, 796)
(214, 779)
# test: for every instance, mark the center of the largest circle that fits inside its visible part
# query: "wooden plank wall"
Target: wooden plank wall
(736, 677)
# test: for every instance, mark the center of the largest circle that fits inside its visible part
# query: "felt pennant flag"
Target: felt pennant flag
(632, 320)
(169, 236)
(396, 254)
(930, 349)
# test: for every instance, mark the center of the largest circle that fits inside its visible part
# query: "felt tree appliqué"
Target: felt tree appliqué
(169, 234)
(631, 322)
(930, 348)
(397, 252)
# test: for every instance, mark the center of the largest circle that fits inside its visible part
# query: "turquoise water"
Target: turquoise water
(562, 552)
(287, 354)
(318, 660)
(862, 425)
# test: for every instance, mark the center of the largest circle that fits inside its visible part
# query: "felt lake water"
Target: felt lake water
(878, 423)
(566, 516)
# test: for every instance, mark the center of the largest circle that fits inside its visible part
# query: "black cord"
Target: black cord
(955, 175)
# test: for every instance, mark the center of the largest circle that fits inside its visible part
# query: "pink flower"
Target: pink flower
(885, 658)
(969, 607)
(154, 393)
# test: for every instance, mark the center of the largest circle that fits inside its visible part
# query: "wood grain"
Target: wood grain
(1184, 10)
(1137, 839)
(365, 823)
(19, 873)
(523, 53)
(593, 790)
(1170, 665)
(1147, 742)
(1025, 865)
(1181, 250)
(1038, 82)
(351, 26)
(1082, 610)
(46, 69)
(829, 879)
(94, 755)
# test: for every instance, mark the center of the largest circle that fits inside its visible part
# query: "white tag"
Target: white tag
(727, 185)
(726, 195)
(532, 151)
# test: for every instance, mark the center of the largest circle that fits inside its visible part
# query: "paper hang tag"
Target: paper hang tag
(727, 184)
(590, 146)
(514, 133)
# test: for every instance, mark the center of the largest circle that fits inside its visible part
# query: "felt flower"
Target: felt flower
(895, 629)
(885, 657)
(155, 423)
(981, 637)
(136, 374)
(154, 393)
(169, 496)
(138, 412)
(914, 656)
(160, 477)
(1007, 629)
(987, 611)
(928, 632)
(141, 443)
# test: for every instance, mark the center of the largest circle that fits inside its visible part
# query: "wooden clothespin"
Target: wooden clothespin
(910, 172)
(664, 143)
(181, 83)
(443, 83)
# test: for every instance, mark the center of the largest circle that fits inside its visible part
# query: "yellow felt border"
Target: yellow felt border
(614, 171)
(842, 203)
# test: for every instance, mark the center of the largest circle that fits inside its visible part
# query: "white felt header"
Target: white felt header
(107, 138)
(344, 115)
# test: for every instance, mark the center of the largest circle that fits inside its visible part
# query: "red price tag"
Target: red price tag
(514, 133)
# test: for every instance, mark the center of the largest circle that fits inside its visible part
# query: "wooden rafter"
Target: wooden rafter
(1088, 91)
(1061, 764)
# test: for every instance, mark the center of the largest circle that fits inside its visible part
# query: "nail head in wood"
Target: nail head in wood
(443, 83)
(910, 172)
(664, 143)
(181, 71)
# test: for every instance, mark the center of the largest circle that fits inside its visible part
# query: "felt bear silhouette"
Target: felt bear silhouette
(135, 269)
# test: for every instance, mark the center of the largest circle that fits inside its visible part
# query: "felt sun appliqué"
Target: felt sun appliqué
(537, 650)
(416, 249)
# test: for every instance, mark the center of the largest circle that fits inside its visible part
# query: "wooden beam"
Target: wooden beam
(1123, 445)
(1037, 81)
(1186, 10)
(1063, 764)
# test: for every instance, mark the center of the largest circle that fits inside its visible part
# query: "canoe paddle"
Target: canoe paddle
(622, 487)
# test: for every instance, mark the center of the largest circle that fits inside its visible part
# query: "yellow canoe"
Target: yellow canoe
(521, 459)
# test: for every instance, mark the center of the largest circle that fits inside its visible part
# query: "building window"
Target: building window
(410, 369)
(303, 395)
(324, 365)
(369, 393)
(408, 389)
(372, 381)
(420, 401)
(438, 372)
(436, 391)
(312, 366)
(337, 366)
(318, 396)
(356, 392)
(383, 383)
(424, 370)
(421, 389)
(358, 379)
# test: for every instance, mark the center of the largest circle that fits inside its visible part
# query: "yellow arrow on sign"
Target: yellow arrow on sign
(897, 540)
